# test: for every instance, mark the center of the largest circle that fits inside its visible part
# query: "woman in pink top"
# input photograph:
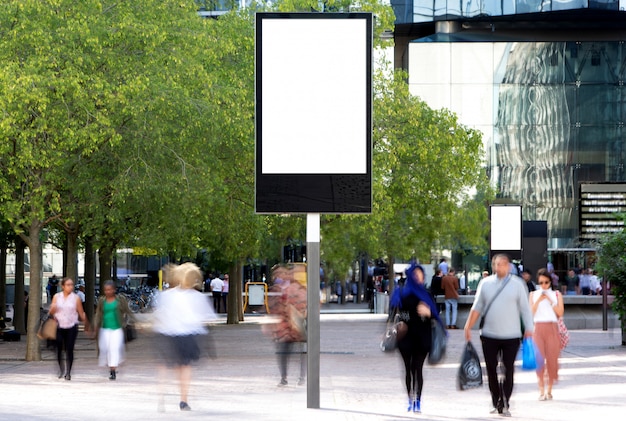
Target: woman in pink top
(547, 307)
(67, 309)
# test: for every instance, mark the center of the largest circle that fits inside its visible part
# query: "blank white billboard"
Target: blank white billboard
(506, 227)
(314, 107)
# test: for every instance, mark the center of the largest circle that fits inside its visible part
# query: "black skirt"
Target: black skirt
(179, 350)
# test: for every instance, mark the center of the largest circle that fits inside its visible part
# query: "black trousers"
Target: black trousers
(413, 359)
(66, 339)
(495, 351)
(225, 301)
(217, 299)
(285, 349)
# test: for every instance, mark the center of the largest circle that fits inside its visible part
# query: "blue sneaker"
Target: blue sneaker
(411, 404)
(417, 406)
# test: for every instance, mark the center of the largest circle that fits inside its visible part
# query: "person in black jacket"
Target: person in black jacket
(435, 289)
(416, 308)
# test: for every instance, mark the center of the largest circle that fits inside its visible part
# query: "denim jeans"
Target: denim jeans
(451, 303)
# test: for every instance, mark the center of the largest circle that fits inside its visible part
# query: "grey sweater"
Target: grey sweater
(503, 320)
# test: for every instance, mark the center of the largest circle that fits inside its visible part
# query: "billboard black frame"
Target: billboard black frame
(313, 193)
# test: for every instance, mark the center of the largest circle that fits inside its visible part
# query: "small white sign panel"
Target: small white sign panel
(256, 295)
(506, 227)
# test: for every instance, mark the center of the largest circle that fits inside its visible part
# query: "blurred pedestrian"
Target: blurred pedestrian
(572, 282)
(443, 266)
(547, 306)
(26, 300)
(51, 288)
(502, 301)
(450, 286)
(112, 316)
(436, 289)
(67, 309)
(216, 290)
(339, 292)
(595, 285)
(180, 317)
(225, 289)
(416, 308)
(289, 307)
(81, 293)
(584, 282)
(527, 276)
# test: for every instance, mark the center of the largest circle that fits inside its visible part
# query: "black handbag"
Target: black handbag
(439, 341)
(394, 332)
(130, 333)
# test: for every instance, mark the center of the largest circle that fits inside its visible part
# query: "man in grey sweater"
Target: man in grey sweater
(502, 300)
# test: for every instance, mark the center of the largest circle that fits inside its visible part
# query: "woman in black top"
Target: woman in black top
(416, 308)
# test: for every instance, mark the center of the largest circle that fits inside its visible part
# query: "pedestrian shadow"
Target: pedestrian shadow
(391, 417)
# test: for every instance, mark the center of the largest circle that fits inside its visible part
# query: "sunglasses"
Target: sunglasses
(544, 283)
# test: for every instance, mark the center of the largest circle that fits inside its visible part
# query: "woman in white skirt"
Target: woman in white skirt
(112, 315)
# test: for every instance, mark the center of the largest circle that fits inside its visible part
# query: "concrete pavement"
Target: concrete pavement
(357, 380)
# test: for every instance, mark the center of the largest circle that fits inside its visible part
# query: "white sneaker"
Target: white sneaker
(506, 412)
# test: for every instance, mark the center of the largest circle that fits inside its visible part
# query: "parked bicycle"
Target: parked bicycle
(142, 299)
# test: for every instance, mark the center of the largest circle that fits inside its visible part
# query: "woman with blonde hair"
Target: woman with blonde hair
(181, 316)
(547, 307)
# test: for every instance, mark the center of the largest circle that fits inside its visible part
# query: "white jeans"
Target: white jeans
(111, 345)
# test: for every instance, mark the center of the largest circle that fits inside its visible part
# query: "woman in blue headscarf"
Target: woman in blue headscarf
(416, 308)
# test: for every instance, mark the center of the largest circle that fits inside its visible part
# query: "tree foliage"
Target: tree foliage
(611, 264)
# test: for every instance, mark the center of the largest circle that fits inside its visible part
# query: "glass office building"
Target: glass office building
(544, 82)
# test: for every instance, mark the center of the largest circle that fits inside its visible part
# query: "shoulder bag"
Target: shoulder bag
(48, 329)
(482, 319)
(563, 332)
(395, 331)
(439, 340)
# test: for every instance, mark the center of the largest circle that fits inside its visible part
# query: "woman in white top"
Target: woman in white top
(547, 307)
(67, 309)
(181, 316)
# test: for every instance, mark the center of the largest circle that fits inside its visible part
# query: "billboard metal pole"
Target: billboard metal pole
(313, 310)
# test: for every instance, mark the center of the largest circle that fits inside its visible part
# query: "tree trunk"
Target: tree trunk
(234, 289)
(3, 279)
(235, 306)
(71, 251)
(105, 257)
(90, 278)
(33, 241)
(19, 318)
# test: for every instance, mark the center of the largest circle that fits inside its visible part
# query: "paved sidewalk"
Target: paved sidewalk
(357, 381)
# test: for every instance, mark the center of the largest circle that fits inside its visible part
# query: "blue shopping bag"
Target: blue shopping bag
(529, 357)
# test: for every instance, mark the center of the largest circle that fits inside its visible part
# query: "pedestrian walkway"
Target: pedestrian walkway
(357, 380)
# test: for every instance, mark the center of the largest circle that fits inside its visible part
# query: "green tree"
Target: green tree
(105, 115)
(38, 128)
(611, 265)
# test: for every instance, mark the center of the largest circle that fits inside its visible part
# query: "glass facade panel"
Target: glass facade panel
(423, 11)
(601, 104)
(552, 119)
(431, 10)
